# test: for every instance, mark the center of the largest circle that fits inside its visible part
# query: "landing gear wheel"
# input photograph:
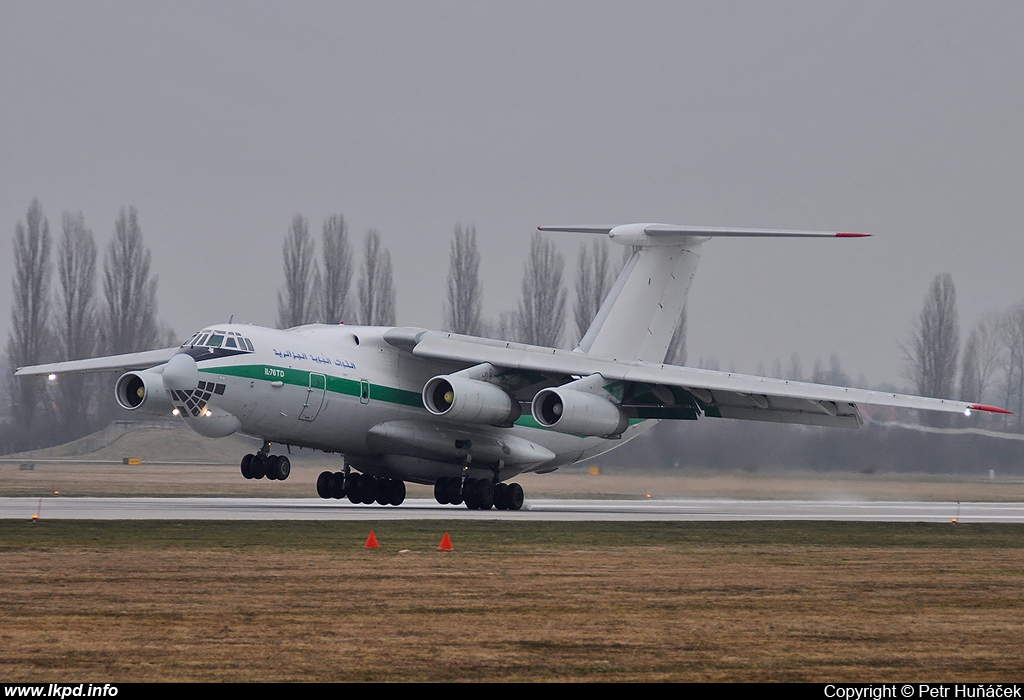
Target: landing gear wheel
(395, 492)
(500, 496)
(514, 497)
(455, 491)
(442, 491)
(469, 494)
(258, 467)
(484, 494)
(247, 466)
(367, 490)
(380, 491)
(324, 484)
(337, 485)
(282, 467)
(352, 486)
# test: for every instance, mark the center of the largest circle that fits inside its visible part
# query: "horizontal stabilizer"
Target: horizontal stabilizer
(629, 232)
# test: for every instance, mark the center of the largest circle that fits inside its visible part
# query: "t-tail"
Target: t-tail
(645, 304)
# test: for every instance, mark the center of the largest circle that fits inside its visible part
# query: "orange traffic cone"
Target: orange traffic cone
(371, 541)
(446, 544)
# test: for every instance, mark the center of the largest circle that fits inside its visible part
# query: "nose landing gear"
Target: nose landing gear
(263, 464)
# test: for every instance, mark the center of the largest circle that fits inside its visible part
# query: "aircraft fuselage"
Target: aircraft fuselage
(345, 389)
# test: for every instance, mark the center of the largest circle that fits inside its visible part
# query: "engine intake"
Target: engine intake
(144, 392)
(577, 413)
(470, 401)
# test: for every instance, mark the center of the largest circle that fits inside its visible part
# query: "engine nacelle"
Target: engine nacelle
(578, 413)
(470, 401)
(143, 391)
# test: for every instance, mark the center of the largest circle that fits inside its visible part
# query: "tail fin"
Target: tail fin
(643, 307)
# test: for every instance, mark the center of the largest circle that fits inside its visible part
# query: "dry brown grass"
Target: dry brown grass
(682, 602)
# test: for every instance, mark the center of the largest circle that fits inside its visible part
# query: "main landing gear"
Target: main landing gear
(263, 464)
(478, 494)
(360, 488)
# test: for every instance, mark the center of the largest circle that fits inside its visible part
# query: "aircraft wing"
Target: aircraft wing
(652, 390)
(132, 360)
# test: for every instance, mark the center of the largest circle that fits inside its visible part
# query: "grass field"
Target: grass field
(305, 601)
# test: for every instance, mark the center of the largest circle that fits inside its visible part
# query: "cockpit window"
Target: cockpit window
(215, 339)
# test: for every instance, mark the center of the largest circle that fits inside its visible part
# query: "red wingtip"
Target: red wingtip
(990, 409)
(846, 234)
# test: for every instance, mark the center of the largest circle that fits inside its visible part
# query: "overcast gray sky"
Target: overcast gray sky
(221, 120)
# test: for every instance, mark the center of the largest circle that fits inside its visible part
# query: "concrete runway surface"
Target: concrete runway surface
(80, 508)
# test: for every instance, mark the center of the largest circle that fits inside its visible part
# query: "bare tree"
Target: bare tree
(982, 356)
(931, 354)
(462, 307)
(376, 287)
(1013, 361)
(593, 280)
(129, 322)
(542, 302)
(76, 327)
(337, 279)
(297, 301)
(30, 310)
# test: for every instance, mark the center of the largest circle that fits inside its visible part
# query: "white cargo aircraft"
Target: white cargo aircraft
(468, 414)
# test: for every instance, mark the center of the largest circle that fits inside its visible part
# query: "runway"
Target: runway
(67, 508)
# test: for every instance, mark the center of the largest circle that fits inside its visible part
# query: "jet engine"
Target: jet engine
(578, 413)
(143, 391)
(469, 401)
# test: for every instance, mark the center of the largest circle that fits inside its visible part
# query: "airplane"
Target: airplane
(468, 414)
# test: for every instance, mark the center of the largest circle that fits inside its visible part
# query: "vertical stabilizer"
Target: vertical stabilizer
(644, 306)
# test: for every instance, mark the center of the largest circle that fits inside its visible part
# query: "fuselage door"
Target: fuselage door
(364, 391)
(314, 397)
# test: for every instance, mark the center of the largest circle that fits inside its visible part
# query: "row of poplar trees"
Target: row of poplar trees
(86, 311)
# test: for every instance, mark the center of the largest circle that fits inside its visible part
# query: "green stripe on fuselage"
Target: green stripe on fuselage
(335, 385)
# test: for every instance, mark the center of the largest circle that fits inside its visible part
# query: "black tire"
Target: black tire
(442, 491)
(258, 467)
(501, 496)
(247, 466)
(283, 468)
(367, 491)
(456, 495)
(325, 484)
(380, 492)
(469, 494)
(338, 485)
(352, 487)
(396, 492)
(514, 497)
(485, 494)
